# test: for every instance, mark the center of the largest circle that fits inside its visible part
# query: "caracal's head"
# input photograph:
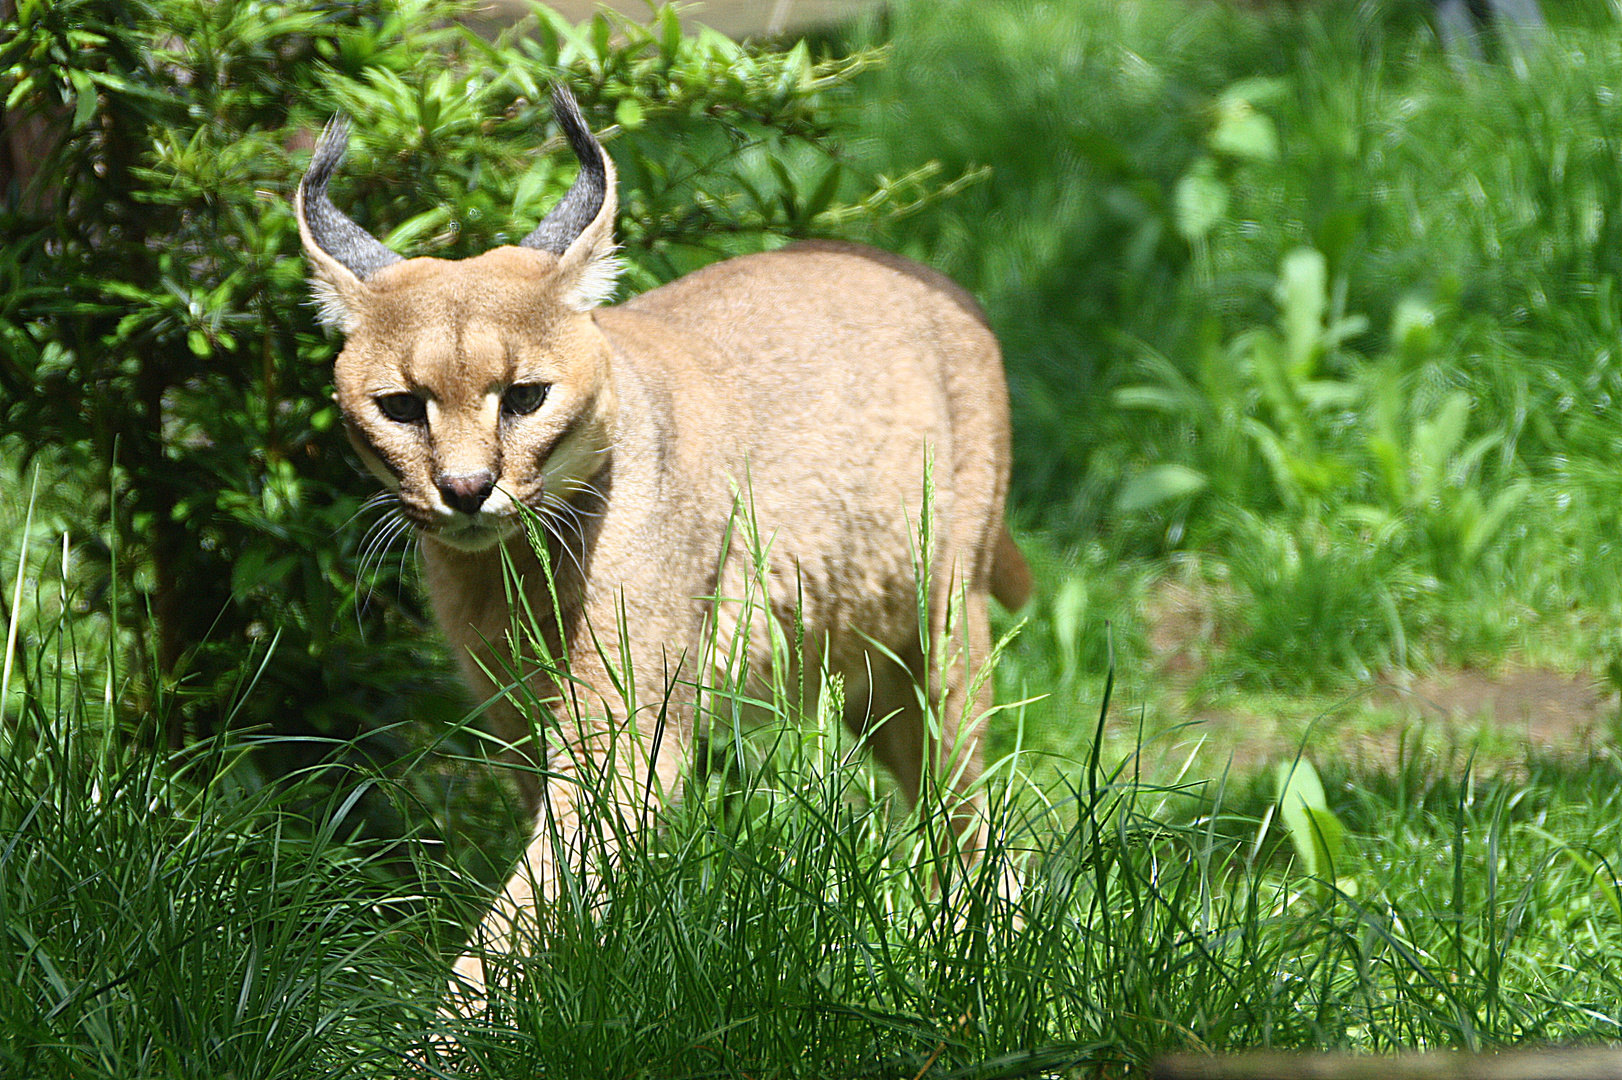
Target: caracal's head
(478, 387)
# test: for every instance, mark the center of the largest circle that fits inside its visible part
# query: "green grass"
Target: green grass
(168, 915)
(1295, 411)
(1292, 290)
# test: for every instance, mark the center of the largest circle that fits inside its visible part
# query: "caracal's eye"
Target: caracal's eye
(523, 399)
(402, 408)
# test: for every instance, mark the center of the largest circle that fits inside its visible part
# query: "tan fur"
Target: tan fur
(806, 384)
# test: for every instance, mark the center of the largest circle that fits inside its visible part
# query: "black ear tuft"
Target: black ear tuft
(351, 246)
(584, 199)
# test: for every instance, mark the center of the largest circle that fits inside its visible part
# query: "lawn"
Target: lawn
(1308, 740)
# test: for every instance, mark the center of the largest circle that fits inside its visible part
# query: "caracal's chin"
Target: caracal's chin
(473, 536)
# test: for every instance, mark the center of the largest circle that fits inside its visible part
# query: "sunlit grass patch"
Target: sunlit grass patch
(784, 920)
(1295, 285)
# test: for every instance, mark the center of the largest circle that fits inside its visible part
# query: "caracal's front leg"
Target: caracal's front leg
(607, 767)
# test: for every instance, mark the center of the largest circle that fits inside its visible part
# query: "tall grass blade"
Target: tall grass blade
(14, 622)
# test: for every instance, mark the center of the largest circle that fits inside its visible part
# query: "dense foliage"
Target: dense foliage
(1286, 288)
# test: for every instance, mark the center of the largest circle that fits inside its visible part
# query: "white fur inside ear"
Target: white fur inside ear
(595, 282)
(331, 311)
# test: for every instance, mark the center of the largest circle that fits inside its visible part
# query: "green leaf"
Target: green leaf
(1302, 294)
(1315, 832)
(1069, 610)
(1200, 201)
(1242, 132)
(1435, 440)
(1491, 520)
(1158, 484)
(823, 196)
(1260, 90)
(1150, 398)
(1413, 329)
(1328, 395)
(628, 114)
(762, 203)
(24, 87)
(413, 228)
(529, 188)
(256, 568)
(796, 69)
(670, 37)
(84, 105)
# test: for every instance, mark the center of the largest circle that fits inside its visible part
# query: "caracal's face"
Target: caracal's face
(471, 390)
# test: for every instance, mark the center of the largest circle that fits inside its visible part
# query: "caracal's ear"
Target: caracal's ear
(579, 230)
(342, 255)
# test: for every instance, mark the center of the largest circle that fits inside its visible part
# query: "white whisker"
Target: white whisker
(547, 514)
(549, 523)
(382, 498)
(586, 486)
(412, 544)
(560, 509)
(375, 547)
(375, 534)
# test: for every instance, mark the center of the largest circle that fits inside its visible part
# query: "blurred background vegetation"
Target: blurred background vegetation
(1290, 289)
(1311, 327)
